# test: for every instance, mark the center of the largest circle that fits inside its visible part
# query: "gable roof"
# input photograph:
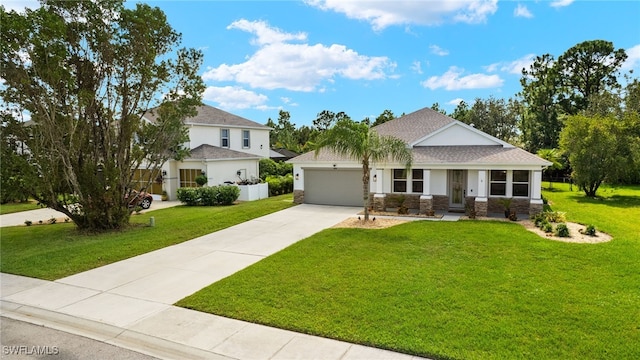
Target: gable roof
(475, 154)
(209, 115)
(210, 152)
(414, 126)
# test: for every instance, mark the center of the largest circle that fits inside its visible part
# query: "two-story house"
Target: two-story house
(224, 148)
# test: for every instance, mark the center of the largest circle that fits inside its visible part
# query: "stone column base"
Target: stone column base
(379, 202)
(481, 206)
(298, 196)
(426, 205)
(535, 207)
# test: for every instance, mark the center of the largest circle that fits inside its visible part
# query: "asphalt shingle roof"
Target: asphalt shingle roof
(211, 152)
(414, 126)
(209, 115)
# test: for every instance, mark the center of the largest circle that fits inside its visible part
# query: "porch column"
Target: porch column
(298, 185)
(481, 203)
(426, 199)
(378, 202)
(536, 204)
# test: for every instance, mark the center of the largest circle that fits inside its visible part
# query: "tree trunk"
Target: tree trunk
(365, 188)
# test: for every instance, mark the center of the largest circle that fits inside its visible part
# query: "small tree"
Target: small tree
(553, 156)
(357, 141)
(592, 145)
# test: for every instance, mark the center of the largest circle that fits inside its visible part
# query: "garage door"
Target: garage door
(333, 187)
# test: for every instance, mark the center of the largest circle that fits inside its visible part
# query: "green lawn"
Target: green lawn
(465, 290)
(10, 208)
(54, 251)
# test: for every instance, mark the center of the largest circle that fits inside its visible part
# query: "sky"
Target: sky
(363, 57)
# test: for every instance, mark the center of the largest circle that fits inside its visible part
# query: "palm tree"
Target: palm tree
(359, 142)
(553, 156)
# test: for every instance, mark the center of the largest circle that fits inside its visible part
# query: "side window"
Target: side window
(498, 183)
(417, 176)
(224, 138)
(246, 140)
(520, 185)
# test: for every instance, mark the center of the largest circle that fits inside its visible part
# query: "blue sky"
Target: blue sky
(363, 57)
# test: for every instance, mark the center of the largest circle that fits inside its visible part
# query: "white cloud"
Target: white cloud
(456, 101)
(265, 34)
(522, 11)
(633, 58)
(560, 3)
(382, 14)
(453, 80)
(298, 67)
(416, 67)
(435, 49)
(233, 97)
(512, 67)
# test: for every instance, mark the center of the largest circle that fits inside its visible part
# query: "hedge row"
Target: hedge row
(279, 185)
(209, 195)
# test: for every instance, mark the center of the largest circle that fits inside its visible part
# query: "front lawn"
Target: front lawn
(465, 290)
(54, 251)
(14, 207)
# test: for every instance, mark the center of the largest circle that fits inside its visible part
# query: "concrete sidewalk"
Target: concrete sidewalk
(129, 303)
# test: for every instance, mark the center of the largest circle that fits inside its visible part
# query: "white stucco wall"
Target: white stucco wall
(438, 182)
(226, 170)
(258, 138)
(472, 183)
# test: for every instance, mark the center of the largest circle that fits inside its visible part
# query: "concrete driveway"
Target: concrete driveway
(129, 303)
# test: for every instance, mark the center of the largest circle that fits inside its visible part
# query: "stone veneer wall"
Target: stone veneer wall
(520, 206)
(481, 208)
(535, 208)
(440, 203)
(298, 196)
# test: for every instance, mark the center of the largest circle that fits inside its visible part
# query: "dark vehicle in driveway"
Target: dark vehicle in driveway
(140, 198)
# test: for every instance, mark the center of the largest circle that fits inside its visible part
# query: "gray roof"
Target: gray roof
(211, 152)
(476, 154)
(414, 126)
(435, 155)
(209, 115)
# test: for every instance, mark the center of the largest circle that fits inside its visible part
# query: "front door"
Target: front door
(456, 189)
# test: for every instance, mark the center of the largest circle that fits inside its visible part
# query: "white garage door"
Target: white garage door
(333, 187)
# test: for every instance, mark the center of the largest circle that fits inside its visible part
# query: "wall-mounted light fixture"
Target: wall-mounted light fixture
(239, 172)
(334, 166)
(375, 177)
(202, 172)
(297, 176)
(260, 146)
(164, 172)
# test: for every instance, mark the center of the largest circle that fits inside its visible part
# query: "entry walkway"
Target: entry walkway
(129, 303)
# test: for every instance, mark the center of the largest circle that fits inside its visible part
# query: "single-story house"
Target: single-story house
(455, 166)
(224, 147)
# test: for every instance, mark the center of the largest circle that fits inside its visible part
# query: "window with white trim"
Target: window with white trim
(417, 181)
(246, 140)
(498, 183)
(520, 184)
(224, 138)
(399, 180)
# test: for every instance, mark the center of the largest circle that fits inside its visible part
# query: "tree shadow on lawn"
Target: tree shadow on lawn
(621, 201)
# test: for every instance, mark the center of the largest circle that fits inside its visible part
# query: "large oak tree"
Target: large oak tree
(86, 72)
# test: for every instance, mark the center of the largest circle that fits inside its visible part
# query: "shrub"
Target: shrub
(555, 216)
(547, 227)
(279, 185)
(562, 230)
(590, 230)
(201, 180)
(228, 194)
(188, 196)
(28, 222)
(208, 195)
(267, 167)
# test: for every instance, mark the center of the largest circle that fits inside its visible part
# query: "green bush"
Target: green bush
(228, 194)
(547, 227)
(562, 230)
(188, 196)
(590, 230)
(201, 180)
(209, 195)
(555, 216)
(267, 167)
(279, 185)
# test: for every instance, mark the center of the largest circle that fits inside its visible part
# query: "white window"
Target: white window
(246, 140)
(498, 183)
(520, 185)
(224, 138)
(417, 184)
